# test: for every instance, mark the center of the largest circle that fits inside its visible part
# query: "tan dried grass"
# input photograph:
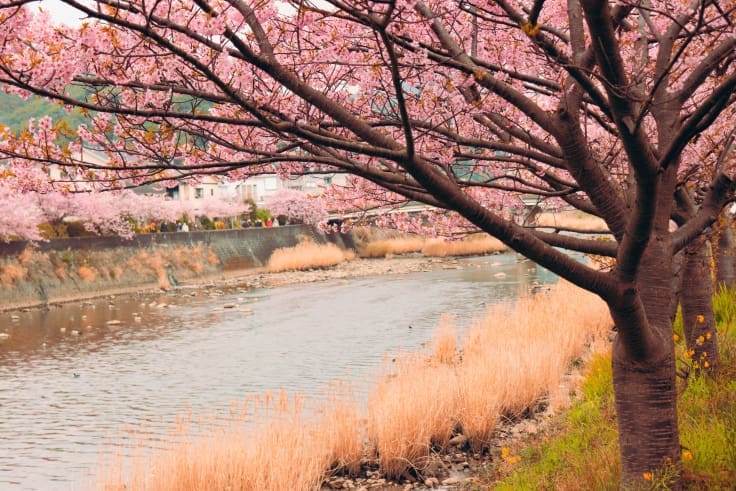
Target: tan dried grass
(392, 247)
(444, 341)
(25, 256)
(572, 220)
(87, 273)
(284, 454)
(410, 411)
(341, 427)
(308, 255)
(474, 245)
(10, 273)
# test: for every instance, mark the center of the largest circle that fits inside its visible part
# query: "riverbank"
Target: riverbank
(37, 274)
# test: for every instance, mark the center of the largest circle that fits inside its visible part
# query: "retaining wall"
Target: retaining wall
(59, 270)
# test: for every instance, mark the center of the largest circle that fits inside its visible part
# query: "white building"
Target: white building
(260, 188)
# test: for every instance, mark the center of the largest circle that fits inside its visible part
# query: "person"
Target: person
(276, 222)
(259, 223)
(185, 227)
(269, 222)
(164, 227)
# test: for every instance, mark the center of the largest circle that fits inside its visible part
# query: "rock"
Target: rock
(228, 306)
(451, 481)
(499, 275)
(335, 483)
(75, 332)
(15, 318)
(113, 322)
(4, 336)
(431, 482)
(459, 440)
(63, 329)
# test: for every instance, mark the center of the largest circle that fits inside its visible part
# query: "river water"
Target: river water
(72, 378)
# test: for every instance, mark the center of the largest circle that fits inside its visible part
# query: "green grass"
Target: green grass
(580, 451)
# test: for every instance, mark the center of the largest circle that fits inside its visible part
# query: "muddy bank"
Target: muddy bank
(65, 270)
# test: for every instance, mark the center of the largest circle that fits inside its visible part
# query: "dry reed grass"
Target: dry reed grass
(510, 359)
(308, 255)
(87, 274)
(392, 247)
(10, 273)
(284, 454)
(410, 411)
(26, 256)
(572, 220)
(474, 245)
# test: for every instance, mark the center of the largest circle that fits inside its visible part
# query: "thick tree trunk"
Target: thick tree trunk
(644, 378)
(678, 264)
(726, 259)
(696, 299)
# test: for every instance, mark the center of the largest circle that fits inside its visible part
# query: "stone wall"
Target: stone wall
(59, 270)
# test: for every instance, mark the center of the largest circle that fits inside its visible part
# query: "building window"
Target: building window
(212, 192)
(198, 193)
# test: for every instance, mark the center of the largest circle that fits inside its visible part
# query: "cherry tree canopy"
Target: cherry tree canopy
(621, 109)
(297, 205)
(21, 213)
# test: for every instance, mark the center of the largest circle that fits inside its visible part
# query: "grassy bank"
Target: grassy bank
(581, 450)
(511, 359)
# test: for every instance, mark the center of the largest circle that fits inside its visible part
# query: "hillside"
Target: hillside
(16, 112)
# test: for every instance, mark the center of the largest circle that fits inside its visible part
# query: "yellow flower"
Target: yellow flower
(687, 455)
(505, 452)
(700, 340)
(676, 337)
(706, 364)
(708, 335)
(647, 476)
(701, 319)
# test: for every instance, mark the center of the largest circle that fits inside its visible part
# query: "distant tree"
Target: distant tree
(297, 206)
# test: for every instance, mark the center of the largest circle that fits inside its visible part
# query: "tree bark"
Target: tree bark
(726, 259)
(696, 299)
(644, 379)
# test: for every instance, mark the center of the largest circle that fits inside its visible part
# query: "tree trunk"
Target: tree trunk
(726, 259)
(696, 299)
(644, 379)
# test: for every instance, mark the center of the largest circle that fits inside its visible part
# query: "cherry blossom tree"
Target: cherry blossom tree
(20, 215)
(297, 206)
(112, 213)
(619, 109)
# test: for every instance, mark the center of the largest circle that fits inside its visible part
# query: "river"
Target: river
(73, 377)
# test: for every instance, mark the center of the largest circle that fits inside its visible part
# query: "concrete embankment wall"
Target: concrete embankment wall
(60, 270)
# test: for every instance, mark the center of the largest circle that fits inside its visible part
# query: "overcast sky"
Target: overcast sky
(61, 13)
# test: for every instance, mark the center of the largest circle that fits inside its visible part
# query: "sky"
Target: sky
(61, 13)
